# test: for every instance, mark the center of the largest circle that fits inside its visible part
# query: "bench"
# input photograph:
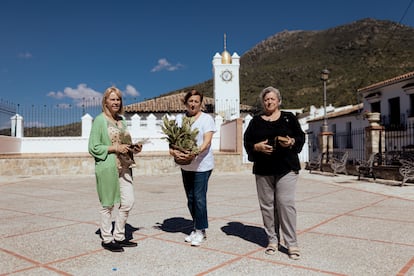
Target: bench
(315, 164)
(338, 164)
(406, 170)
(392, 158)
(366, 167)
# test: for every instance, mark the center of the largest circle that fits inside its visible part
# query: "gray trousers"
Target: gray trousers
(277, 204)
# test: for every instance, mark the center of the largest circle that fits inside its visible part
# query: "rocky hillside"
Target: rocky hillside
(356, 54)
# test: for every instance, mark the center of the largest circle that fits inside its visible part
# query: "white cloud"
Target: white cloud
(163, 64)
(131, 91)
(86, 95)
(78, 95)
(25, 55)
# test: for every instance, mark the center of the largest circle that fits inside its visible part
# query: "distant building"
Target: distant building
(173, 104)
(226, 101)
(393, 98)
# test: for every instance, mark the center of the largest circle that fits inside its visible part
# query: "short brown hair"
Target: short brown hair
(193, 92)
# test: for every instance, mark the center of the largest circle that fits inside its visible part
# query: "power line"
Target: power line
(399, 23)
(406, 11)
(387, 42)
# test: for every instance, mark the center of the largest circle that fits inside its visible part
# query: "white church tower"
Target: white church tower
(226, 84)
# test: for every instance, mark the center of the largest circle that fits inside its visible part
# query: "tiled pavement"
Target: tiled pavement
(48, 226)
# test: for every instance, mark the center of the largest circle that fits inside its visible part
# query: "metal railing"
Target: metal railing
(400, 139)
(397, 141)
(7, 110)
(50, 120)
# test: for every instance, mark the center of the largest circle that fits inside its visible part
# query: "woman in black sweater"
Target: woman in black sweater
(272, 141)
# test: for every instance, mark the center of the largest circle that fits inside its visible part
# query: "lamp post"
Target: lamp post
(324, 78)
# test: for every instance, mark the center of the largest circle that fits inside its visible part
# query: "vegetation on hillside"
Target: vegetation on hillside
(357, 55)
(73, 129)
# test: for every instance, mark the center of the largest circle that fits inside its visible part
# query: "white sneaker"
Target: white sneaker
(198, 238)
(190, 237)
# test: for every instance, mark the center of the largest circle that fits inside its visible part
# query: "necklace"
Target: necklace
(113, 121)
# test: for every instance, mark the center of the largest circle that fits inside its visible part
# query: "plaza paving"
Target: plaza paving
(48, 226)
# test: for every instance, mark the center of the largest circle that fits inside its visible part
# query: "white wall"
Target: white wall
(148, 129)
(10, 144)
(398, 87)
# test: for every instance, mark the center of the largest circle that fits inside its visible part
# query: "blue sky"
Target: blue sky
(60, 51)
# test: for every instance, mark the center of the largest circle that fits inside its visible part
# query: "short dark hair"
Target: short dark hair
(193, 92)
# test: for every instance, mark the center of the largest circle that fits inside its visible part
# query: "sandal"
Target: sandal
(294, 253)
(271, 249)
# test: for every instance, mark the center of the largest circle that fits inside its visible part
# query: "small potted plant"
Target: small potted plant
(181, 138)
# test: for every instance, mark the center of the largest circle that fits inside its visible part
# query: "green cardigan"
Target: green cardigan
(106, 171)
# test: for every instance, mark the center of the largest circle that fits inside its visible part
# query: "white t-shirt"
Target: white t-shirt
(204, 161)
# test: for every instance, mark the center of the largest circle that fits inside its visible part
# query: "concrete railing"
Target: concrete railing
(228, 138)
(148, 130)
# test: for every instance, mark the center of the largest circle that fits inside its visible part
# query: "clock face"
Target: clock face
(226, 75)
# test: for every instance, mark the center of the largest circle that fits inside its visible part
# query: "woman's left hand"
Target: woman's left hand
(289, 142)
(136, 148)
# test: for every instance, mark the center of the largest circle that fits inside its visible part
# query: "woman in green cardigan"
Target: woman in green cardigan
(113, 177)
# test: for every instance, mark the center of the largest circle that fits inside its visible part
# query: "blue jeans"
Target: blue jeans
(195, 185)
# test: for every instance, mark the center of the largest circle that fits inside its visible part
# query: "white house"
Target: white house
(392, 98)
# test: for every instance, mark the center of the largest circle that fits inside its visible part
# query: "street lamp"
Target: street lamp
(324, 78)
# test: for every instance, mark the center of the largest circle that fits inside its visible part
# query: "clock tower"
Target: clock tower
(226, 84)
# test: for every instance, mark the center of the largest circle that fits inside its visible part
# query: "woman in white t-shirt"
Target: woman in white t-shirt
(196, 174)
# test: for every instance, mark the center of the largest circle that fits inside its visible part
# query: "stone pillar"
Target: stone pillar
(86, 125)
(135, 125)
(374, 135)
(218, 121)
(17, 126)
(152, 123)
(326, 145)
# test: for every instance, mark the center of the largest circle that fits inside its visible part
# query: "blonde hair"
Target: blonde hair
(106, 94)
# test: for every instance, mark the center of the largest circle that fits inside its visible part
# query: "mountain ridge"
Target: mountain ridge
(357, 54)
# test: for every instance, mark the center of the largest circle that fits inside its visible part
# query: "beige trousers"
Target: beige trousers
(127, 202)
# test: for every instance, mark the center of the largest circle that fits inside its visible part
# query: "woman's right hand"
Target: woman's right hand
(263, 147)
(185, 157)
(181, 156)
(120, 148)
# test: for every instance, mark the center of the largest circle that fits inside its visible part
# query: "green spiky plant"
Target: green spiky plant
(181, 138)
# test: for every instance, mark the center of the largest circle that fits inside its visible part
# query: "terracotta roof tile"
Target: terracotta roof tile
(387, 82)
(170, 103)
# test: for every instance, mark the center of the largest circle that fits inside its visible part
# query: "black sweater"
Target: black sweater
(282, 160)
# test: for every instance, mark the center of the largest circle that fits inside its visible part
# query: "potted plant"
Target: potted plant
(181, 138)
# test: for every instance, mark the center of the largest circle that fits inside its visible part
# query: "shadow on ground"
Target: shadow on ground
(129, 231)
(175, 225)
(252, 234)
